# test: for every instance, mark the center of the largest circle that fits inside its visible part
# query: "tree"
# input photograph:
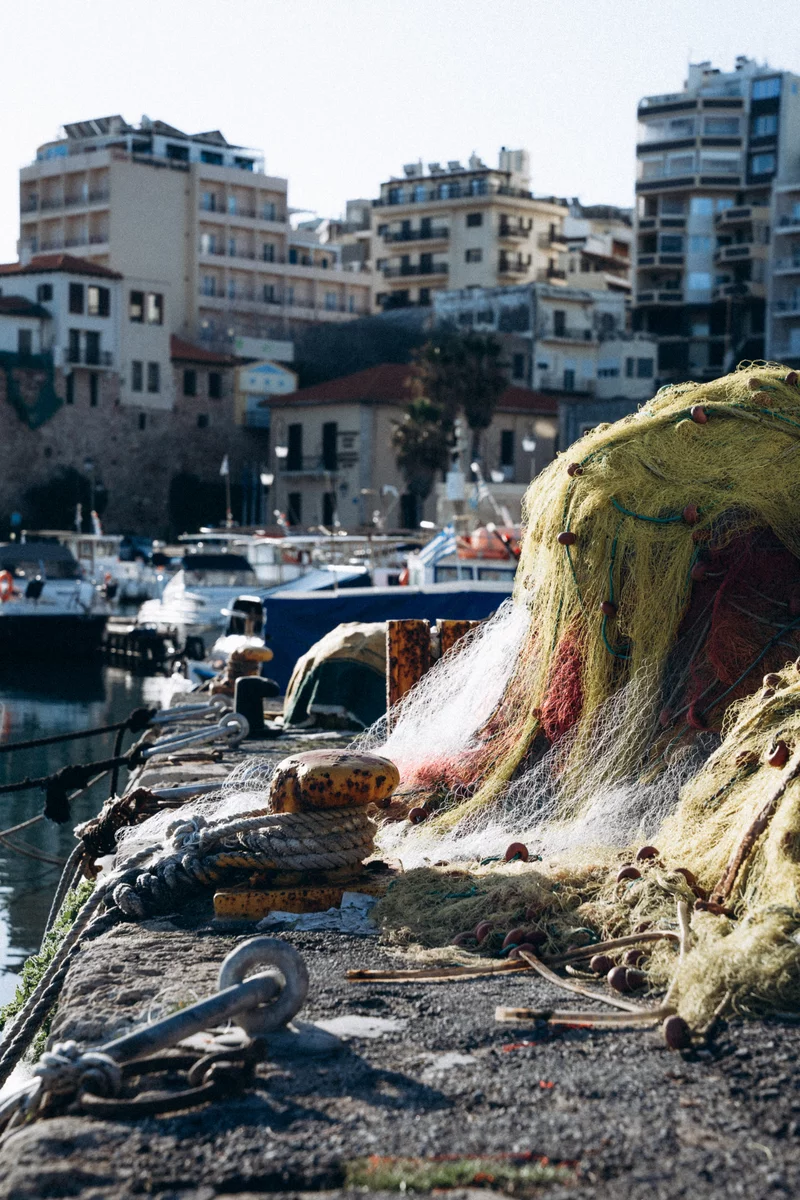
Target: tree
(460, 373)
(422, 446)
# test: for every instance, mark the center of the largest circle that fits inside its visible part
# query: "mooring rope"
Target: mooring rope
(135, 722)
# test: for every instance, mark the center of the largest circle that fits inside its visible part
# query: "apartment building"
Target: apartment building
(190, 218)
(454, 227)
(709, 161)
(560, 340)
(599, 239)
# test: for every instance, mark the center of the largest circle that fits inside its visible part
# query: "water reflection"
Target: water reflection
(36, 701)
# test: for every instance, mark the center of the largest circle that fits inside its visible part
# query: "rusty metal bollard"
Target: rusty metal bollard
(451, 632)
(408, 657)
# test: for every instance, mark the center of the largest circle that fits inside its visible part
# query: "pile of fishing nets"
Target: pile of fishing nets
(659, 583)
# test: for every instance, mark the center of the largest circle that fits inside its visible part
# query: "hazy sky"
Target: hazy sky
(340, 93)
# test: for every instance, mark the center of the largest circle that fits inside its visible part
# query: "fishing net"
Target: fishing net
(659, 582)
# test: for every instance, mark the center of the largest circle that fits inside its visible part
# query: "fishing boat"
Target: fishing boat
(107, 559)
(46, 608)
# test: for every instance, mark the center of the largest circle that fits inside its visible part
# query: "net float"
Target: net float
(617, 978)
(566, 538)
(677, 1033)
(601, 964)
(791, 378)
(633, 957)
(608, 608)
(515, 937)
(645, 853)
(778, 754)
(482, 930)
(698, 414)
(574, 469)
(417, 815)
(691, 514)
(634, 979)
(772, 680)
(517, 850)
(629, 871)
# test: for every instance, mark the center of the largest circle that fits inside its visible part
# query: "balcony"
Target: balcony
(551, 381)
(788, 223)
(514, 266)
(514, 229)
(309, 465)
(554, 242)
(550, 333)
(29, 205)
(743, 215)
(415, 269)
(89, 357)
(740, 252)
(551, 275)
(786, 308)
(786, 266)
(740, 289)
(423, 234)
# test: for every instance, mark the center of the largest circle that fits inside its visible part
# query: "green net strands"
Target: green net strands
(659, 567)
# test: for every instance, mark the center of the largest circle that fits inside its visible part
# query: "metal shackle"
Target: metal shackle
(283, 960)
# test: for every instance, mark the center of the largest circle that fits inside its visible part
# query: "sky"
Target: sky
(339, 94)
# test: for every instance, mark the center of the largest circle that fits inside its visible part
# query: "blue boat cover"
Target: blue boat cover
(295, 621)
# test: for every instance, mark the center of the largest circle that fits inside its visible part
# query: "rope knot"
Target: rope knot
(186, 834)
(67, 1069)
(56, 805)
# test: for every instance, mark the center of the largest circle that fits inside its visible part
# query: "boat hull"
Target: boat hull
(47, 635)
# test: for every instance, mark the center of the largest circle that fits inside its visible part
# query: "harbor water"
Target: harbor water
(39, 700)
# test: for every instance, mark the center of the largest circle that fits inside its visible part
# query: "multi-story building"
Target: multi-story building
(783, 331)
(599, 239)
(194, 224)
(709, 158)
(561, 339)
(334, 463)
(458, 227)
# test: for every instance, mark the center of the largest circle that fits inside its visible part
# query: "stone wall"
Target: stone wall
(136, 452)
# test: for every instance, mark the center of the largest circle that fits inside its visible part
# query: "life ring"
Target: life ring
(6, 586)
(403, 578)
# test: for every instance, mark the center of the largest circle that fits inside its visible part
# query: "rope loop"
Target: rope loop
(67, 1069)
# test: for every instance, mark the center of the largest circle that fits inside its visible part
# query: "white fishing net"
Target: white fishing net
(552, 810)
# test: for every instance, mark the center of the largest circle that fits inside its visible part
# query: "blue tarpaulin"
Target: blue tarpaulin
(295, 621)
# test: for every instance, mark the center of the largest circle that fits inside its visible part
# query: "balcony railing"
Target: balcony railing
(787, 308)
(415, 269)
(551, 241)
(789, 265)
(302, 302)
(515, 266)
(552, 381)
(548, 274)
(549, 332)
(434, 233)
(446, 191)
(514, 229)
(89, 357)
(307, 464)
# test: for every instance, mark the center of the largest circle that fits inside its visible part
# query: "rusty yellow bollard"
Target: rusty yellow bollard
(451, 632)
(408, 657)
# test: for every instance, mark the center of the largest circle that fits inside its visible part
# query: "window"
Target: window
(424, 297)
(70, 397)
(202, 420)
(268, 252)
(331, 301)
(764, 126)
(644, 368)
(699, 281)
(289, 294)
(74, 347)
(328, 509)
(24, 341)
(680, 164)
(671, 206)
(701, 206)
(209, 286)
(210, 156)
(630, 365)
(671, 243)
(268, 211)
(294, 460)
(762, 164)
(142, 419)
(330, 435)
(518, 366)
(269, 293)
(153, 377)
(721, 165)
(98, 301)
(215, 385)
(189, 382)
(177, 153)
(76, 297)
(608, 372)
(721, 126)
(44, 292)
(93, 349)
(559, 322)
(569, 379)
(136, 307)
(137, 369)
(294, 508)
(232, 251)
(292, 254)
(155, 308)
(766, 89)
(723, 202)
(474, 219)
(419, 193)
(208, 202)
(700, 243)
(700, 327)
(244, 164)
(507, 448)
(473, 256)
(93, 390)
(232, 205)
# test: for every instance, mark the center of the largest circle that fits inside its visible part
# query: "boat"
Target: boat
(120, 564)
(191, 603)
(46, 608)
(488, 554)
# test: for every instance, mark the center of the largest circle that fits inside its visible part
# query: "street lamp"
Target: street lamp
(266, 479)
(88, 466)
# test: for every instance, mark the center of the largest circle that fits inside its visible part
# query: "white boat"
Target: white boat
(488, 555)
(191, 602)
(99, 558)
(46, 608)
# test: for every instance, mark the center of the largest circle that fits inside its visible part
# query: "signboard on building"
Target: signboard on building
(254, 384)
(264, 348)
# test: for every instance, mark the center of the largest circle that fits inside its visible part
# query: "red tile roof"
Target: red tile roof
(387, 384)
(41, 263)
(183, 351)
